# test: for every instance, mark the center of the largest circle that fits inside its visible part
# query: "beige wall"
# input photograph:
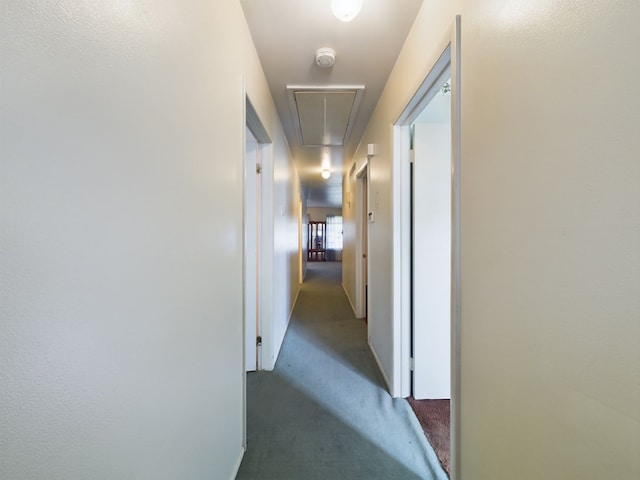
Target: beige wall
(283, 286)
(121, 292)
(551, 240)
(426, 41)
(349, 238)
(319, 214)
(550, 378)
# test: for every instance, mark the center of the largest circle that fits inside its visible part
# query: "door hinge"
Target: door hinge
(412, 364)
(258, 168)
(412, 156)
(258, 341)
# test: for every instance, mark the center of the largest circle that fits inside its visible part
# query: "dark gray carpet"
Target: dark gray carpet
(323, 413)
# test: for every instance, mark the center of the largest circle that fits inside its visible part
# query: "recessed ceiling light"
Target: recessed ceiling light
(346, 10)
(326, 173)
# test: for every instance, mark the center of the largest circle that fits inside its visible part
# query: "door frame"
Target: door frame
(252, 255)
(362, 231)
(449, 61)
(258, 228)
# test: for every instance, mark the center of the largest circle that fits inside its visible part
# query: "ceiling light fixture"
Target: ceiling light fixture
(346, 10)
(326, 173)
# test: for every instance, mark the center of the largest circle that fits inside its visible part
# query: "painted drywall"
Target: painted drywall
(424, 45)
(349, 237)
(432, 258)
(320, 214)
(285, 282)
(304, 226)
(550, 240)
(281, 194)
(550, 384)
(121, 294)
(252, 241)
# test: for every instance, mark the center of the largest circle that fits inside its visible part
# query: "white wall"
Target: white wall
(319, 214)
(550, 386)
(432, 258)
(285, 281)
(349, 238)
(280, 204)
(305, 235)
(121, 295)
(425, 43)
(550, 240)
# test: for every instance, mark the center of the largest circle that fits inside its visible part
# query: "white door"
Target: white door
(431, 246)
(252, 252)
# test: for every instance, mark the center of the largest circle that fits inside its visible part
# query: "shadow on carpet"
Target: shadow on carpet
(324, 413)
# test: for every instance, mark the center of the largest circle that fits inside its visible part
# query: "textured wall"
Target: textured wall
(550, 232)
(429, 36)
(550, 240)
(319, 214)
(121, 294)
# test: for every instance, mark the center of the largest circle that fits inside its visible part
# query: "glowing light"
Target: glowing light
(346, 10)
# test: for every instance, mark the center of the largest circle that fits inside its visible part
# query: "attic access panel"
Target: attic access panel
(324, 115)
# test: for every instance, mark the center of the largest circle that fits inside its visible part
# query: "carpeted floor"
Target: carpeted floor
(435, 420)
(323, 413)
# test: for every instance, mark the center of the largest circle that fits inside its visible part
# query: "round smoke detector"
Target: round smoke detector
(325, 57)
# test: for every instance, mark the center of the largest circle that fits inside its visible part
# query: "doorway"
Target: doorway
(440, 251)
(362, 246)
(252, 222)
(258, 328)
(431, 248)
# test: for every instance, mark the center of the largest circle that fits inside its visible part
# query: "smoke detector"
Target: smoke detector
(325, 57)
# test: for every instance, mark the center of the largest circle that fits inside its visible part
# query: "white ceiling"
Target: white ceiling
(287, 34)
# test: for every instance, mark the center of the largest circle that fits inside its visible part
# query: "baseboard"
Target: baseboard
(276, 352)
(382, 372)
(293, 305)
(353, 309)
(236, 467)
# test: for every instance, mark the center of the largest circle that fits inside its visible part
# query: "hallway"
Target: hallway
(323, 412)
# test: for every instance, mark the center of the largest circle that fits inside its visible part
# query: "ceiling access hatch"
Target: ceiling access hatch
(324, 115)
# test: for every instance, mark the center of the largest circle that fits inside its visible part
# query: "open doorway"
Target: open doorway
(362, 246)
(426, 280)
(252, 222)
(257, 324)
(430, 192)
(431, 248)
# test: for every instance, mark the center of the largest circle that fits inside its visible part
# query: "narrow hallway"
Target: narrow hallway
(323, 412)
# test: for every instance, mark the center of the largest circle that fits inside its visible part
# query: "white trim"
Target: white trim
(278, 348)
(353, 309)
(254, 124)
(401, 298)
(362, 170)
(251, 255)
(362, 180)
(401, 253)
(380, 368)
(291, 94)
(401, 286)
(456, 150)
(236, 466)
(244, 280)
(267, 358)
(436, 77)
